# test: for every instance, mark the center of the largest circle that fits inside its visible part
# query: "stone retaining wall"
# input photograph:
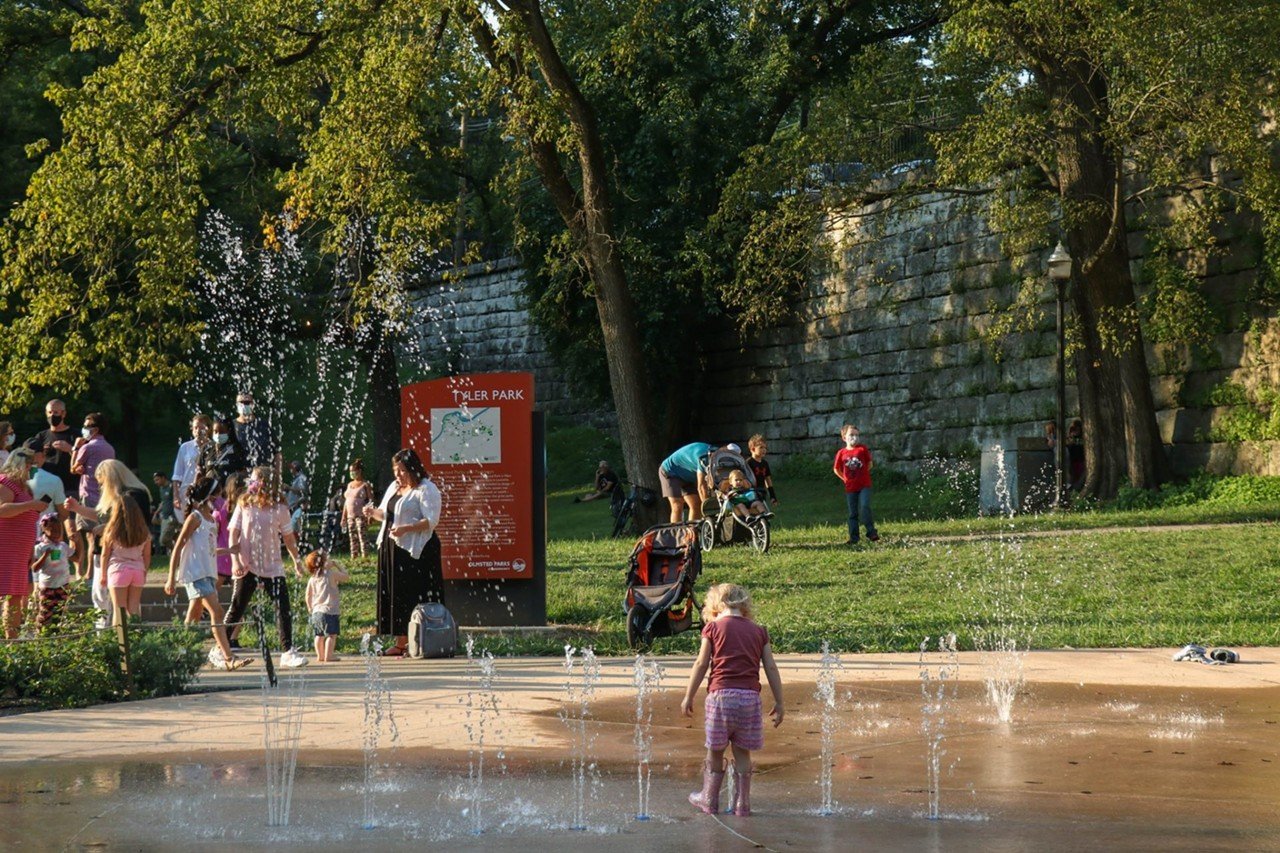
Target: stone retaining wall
(903, 336)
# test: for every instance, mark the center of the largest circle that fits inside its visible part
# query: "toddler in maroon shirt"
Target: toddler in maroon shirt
(733, 650)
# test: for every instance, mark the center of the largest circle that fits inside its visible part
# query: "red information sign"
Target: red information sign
(474, 433)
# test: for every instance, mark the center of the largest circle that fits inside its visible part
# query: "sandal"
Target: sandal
(394, 652)
(236, 663)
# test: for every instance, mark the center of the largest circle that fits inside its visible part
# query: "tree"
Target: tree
(344, 106)
(637, 120)
(1081, 110)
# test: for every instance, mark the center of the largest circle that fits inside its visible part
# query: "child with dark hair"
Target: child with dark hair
(193, 563)
(51, 564)
(759, 466)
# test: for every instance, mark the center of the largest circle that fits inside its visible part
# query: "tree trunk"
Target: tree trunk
(588, 213)
(1121, 434)
(384, 409)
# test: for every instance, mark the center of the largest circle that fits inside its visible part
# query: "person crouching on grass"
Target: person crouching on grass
(193, 562)
(323, 602)
(733, 649)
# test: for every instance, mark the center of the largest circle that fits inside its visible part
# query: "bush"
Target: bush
(74, 665)
(1202, 488)
(165, 662)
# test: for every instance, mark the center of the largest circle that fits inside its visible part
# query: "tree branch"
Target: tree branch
(543, 151)
(229, 73)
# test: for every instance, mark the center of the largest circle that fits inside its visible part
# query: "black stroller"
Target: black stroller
(660, 575)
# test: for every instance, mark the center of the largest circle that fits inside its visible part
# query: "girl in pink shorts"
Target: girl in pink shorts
(733, 650)
(126, 553)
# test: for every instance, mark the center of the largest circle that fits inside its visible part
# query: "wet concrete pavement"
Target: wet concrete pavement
(1106, 750)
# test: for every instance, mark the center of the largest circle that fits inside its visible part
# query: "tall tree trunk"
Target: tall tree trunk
(384, 408)
(588, 213)
(1121, 433)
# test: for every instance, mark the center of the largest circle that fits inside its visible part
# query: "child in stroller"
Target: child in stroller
(743, 498)
(734, 511)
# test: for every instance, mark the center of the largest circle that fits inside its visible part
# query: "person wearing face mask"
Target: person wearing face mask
(853, 466)
(90, 450)
(57, 442)
(226, 456)
(254, 434)
(186, 467)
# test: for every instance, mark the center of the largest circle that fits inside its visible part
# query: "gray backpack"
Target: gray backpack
(432, 632)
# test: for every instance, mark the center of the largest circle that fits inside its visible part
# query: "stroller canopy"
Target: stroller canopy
(723, 462)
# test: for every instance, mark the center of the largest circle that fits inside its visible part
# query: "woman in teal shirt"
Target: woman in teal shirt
(681, 483)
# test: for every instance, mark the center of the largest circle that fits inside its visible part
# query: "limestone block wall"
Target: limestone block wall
(906, 334)
(481, 325)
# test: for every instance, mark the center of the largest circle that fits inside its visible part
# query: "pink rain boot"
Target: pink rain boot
(742, 793)
(707, 800)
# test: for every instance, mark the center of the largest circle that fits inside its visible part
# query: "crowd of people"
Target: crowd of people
(70, 512)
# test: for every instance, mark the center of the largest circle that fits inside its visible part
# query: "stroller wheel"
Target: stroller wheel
(637, 638)
(707, 534)
(760, 534)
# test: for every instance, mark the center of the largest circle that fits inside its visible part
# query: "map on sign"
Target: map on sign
(466, 436)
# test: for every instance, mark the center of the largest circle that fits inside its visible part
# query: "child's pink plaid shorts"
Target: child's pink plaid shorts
(734, 716)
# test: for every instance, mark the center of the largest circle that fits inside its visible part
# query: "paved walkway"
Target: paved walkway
(530, 689)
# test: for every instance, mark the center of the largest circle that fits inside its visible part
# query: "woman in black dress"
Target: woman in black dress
(409, 571)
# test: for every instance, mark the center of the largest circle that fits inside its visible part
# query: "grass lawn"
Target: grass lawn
(1083, 588)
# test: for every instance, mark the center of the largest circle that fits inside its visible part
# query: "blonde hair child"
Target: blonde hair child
(733, 650)
(126, 553)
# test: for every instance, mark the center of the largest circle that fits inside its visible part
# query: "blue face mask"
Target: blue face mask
(221, 438)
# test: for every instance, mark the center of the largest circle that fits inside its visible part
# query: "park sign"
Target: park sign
(475, 433)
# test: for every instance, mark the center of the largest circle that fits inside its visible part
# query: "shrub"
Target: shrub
(75, 665)
(68, 668)
(165, 662)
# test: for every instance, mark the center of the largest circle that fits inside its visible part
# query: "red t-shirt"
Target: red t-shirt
(854, 467)
(737, 644)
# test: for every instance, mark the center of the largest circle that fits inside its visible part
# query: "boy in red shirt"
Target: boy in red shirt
(853, 467)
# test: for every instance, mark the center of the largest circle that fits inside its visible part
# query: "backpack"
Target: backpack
(432, 632)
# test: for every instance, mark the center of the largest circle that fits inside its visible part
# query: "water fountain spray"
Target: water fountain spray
(938, 688)
(825, 693)
(647, 677)
(579, 692)
(379, 720)
(282, 709)
(481, 709)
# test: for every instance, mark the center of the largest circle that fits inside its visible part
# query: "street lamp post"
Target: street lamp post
(1060, 274)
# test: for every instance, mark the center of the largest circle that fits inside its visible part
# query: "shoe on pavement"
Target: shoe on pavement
(291, 657)
(216, 657)
(236, 663)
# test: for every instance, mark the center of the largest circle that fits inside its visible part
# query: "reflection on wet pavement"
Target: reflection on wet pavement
(1081, 767)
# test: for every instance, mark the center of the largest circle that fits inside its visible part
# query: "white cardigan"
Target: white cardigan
(419, 503)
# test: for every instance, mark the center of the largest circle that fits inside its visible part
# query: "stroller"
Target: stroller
(720, 524)
(660, 575)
